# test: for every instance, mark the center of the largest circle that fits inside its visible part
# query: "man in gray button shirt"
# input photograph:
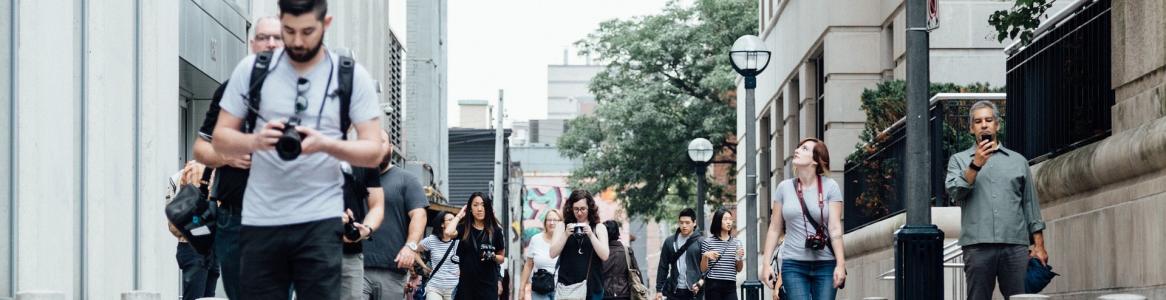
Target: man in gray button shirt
(1001, 211)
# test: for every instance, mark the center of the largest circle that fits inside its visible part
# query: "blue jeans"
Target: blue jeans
(808, 280)
(227, 248)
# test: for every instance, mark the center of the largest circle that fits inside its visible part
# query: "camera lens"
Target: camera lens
(288, 146)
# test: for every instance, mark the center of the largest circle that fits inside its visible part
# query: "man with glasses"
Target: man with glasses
(292, 226)
(232, 171)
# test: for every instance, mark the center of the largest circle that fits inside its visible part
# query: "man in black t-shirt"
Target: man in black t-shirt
(232, 171)
(364, 202)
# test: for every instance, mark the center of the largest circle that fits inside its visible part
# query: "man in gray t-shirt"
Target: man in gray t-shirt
(292, 208)
(389, 254)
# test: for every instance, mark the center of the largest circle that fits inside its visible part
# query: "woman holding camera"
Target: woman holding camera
(807, 218)
(581, 247)
(722, 258)
(480, 251)
(539, 263)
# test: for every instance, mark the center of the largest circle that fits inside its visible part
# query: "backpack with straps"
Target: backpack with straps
(262, 67)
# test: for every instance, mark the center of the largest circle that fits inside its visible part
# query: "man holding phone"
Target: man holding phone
(1001, 225)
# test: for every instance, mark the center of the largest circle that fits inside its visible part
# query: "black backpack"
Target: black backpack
(261, 68)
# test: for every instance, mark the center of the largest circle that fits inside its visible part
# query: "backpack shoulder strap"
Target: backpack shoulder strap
(259, 71)
(347, 70)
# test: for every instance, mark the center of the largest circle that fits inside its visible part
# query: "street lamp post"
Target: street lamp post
(700, 150)
(919, 243)
(749, 57)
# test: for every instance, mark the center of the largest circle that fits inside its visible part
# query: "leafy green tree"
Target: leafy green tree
(667, 81)
(1020, 21)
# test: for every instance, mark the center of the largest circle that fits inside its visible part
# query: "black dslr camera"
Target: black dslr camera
(816, 242)
(288, 146)
(350, 230)
(487, 251)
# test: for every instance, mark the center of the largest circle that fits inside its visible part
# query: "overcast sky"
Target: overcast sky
(507, 44)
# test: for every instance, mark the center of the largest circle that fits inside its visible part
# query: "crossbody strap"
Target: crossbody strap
(806, 212)
(442, 261)
(714, 263)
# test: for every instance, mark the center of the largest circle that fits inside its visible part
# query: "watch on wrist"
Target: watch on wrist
(972, 165)
(412, 246)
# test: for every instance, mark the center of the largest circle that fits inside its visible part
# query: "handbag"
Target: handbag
(577, 291)
(542, 282)
(190, 210)
(639, 291)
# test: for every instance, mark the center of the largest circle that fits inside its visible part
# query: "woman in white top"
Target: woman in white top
(538, 256)
(807, 222)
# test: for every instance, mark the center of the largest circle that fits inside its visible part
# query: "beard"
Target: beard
(302, 55)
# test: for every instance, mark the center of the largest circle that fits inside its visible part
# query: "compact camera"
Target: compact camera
(576, 228)
(288, 146)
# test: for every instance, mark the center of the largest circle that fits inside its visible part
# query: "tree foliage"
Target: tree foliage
(1020, 21)
(667, 81)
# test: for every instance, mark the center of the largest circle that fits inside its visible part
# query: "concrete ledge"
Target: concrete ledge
(881, 235)
(1122, 156)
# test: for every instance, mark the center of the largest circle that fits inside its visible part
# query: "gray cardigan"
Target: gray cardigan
(692, 255)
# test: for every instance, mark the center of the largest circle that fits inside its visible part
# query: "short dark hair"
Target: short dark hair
(718, 225)
(300, 7)
(612, 229)
(688, 212)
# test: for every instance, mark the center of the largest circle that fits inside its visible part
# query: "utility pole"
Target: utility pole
(919, 243)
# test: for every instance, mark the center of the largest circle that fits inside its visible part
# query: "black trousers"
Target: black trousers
(305, 256)
(985, 264)
(680, 294)
(715, 289)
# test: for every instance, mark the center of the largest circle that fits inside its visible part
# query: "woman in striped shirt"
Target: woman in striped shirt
(443, 279)
(723, 258)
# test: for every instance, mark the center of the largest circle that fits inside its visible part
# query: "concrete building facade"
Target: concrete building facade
(91, 109)
(568, 95)
(824, 54)
(1101, 200)
(474, 114)
(426, 127)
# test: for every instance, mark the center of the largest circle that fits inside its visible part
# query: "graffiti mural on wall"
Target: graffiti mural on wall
(539, 199)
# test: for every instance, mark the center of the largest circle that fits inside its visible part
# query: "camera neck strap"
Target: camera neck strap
(806, 216)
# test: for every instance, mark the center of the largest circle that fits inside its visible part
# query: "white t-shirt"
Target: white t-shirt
(539, 250)
(308, 188)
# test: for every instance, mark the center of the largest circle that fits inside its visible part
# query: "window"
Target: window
(820, 96)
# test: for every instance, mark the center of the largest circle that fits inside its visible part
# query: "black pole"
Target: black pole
(752, 288)
(918, 244)
(700, 195)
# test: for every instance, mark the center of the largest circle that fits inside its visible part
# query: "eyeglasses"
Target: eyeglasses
(265, 37)
(302, 87)
(579, 209)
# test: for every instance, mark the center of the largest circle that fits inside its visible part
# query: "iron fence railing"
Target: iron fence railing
(1059, 86)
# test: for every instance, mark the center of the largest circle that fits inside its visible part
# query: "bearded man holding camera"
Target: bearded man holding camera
(294, 201)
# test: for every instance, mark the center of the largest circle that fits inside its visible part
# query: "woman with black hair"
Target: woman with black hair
(581, 246)
(617, 284)
(723, 258)
(443, 274)
(480, 251)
